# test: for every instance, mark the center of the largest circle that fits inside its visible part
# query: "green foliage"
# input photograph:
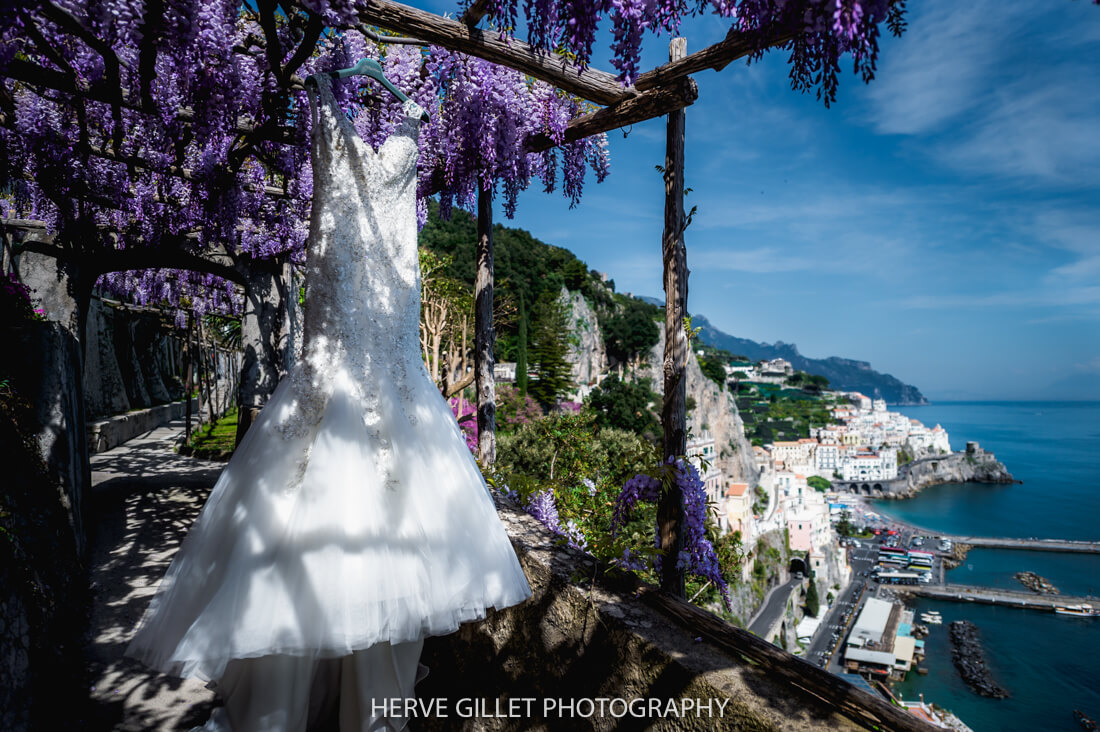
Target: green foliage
(561, 452)
(713, 369)
(521, 350)
(625, 405)
(760, 505)
(215, 439)
(813, 602)
(575, 274)
(771, 413)
(904, 458)
(630, 328)
(550, 346)
(819, 484)
(524, 267)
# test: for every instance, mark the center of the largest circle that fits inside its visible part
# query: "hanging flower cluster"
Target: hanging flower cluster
(194, 141)
(821, 31)
(698, 556)
(542, 506)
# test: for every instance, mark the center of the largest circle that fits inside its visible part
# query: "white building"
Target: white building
(700, 448)
(827, 458)
(871, 623)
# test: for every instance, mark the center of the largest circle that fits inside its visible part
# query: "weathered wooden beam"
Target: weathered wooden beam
(592, 84)
(670, 510)
(736, 45)
(631, 110)
(483, 332)
(863, 708)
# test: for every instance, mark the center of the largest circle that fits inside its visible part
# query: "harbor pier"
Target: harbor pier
(1049, 545)
(992, 596)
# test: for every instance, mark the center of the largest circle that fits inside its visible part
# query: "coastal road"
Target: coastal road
(774, 607)
(845, 607)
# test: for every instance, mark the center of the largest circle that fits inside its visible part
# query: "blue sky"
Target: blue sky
(942, 222)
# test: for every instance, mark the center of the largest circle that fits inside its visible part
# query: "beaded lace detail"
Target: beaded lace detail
(362, 302)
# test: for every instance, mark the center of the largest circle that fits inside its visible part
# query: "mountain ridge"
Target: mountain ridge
(845, 374)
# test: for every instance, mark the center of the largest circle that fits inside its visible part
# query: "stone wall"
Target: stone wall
(130, 361)
(584, 635)
(105, 434)
(42, 582)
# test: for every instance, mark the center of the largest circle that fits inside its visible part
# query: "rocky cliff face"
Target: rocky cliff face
(715, 410)
(586, 349)
(975, 465)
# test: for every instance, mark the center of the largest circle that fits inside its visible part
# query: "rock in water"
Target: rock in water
(967, 654)
(1035, 583)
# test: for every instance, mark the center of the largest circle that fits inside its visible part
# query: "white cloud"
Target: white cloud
(990, 87)
(761, 260)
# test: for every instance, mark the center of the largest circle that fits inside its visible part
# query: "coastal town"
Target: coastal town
(812, 490)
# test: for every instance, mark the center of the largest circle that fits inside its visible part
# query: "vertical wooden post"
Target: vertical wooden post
(483, 333)
(670, 512)
(189, 378)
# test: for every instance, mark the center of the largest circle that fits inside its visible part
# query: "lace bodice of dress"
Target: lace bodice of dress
(362, 301)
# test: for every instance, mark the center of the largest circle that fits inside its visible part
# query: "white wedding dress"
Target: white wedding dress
(352, 520)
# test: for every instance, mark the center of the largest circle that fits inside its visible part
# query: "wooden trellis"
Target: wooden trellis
(665, 90)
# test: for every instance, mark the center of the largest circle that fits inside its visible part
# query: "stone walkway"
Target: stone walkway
(144, 499)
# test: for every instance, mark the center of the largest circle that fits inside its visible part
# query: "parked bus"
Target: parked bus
(899, 578)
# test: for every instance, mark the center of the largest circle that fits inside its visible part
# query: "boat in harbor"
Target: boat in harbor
(1084, 610)
(932, 617)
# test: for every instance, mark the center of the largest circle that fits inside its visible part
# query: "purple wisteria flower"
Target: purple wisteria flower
(698, 556)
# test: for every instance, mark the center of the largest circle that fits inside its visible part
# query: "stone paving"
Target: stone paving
(144, 499)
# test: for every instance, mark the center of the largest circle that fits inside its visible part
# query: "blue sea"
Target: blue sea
(1050, 664)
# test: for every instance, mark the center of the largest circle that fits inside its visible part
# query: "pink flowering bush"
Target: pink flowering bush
(467, 420)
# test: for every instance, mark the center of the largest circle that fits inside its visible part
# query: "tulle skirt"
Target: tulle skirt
(355, 533)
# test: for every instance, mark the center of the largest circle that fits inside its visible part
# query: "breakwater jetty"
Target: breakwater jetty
(992, 596)
(969, 659)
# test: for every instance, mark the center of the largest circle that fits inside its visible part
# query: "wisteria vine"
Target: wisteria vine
(203, 144)
(697, 556)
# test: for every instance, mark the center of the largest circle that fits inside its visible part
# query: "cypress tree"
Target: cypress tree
(521, 350)
(549, 348)
(813, 603)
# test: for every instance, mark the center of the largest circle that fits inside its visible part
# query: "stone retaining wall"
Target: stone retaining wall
(585, 636)
(113, 431)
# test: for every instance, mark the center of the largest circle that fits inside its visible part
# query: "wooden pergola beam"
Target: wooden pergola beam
(716, 57)
(591, 84)
(631, 110)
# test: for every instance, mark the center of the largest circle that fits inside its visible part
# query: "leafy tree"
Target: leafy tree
(625, 405)
(818, 483)
(813, 602)
(631, 329)
(575, 274)
(713, 369)
(521, 350)
(548, 350)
